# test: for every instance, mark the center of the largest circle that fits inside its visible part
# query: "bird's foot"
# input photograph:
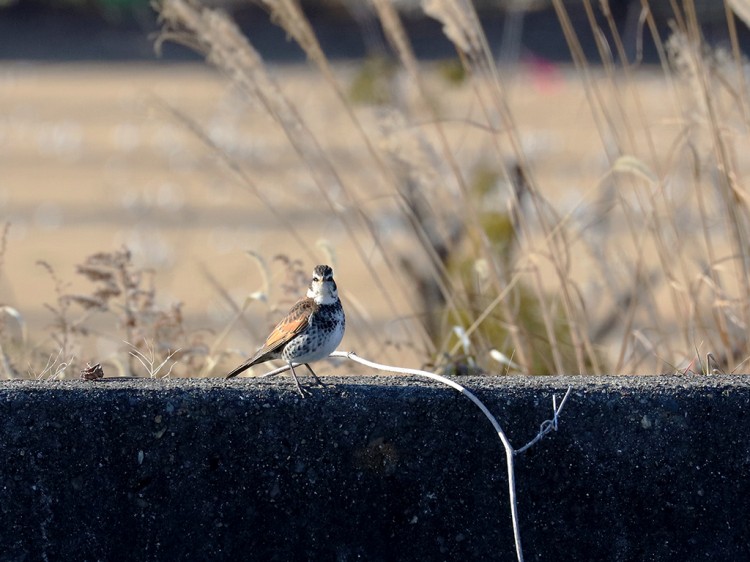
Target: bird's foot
(317, 380)
(303, 391)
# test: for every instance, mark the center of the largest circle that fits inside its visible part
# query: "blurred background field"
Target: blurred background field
(573, 213)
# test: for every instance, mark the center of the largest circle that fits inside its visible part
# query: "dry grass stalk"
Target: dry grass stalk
(226, 47)
(436, 250)
(458, 24)
(668, 278)
(288, 15)
(462, 26)
(245, 180)
(741, 8)
(707, 98)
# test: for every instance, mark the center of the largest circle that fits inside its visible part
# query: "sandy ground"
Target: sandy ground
(92, 158)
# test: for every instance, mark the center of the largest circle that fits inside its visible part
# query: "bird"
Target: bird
(311, 330)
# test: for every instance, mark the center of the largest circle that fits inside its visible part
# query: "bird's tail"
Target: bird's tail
(237, 370)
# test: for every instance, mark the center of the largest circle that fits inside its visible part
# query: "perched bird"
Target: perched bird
(311, 331)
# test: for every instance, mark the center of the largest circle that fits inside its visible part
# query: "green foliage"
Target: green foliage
(372, 84)
(452, 71)
(522, 311)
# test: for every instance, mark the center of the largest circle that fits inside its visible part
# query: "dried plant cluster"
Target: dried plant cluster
(648, 272)
(123, 299)
(489, 263)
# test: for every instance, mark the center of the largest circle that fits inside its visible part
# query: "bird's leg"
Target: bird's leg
(300, 388)
(317, 380)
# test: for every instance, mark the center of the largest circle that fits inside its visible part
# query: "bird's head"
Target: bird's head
(322, 287)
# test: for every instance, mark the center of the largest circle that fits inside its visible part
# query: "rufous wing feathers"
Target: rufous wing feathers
(286, 330)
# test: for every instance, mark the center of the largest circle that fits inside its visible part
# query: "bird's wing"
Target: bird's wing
(289, 327)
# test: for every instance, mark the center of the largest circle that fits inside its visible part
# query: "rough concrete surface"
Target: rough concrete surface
(373, 468)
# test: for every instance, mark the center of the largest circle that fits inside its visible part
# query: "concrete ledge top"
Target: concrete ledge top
(508, 384)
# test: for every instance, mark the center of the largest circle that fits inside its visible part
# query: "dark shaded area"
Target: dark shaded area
(373, 469)
(37, 31)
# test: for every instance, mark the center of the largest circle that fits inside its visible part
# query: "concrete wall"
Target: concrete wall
(373, 469)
